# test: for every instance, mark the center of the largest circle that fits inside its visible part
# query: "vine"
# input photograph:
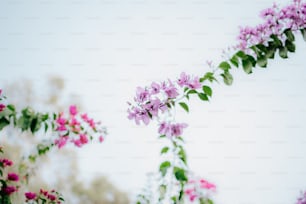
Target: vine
(256, 45)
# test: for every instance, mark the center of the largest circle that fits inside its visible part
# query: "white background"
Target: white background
(250, 139)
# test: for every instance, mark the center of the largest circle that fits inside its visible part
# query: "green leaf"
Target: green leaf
(184, 106)
(206, 201)
(208, 76)
(203, 96)
(44, 117)
(162, 191)
(46, 127)
(174, 199)
(224, 66)
(235, 61)
(227, 78)
(179, 174)
(240, 54)
(283, 52)
(303, 31)
(262, 48)
(247, 66)
(270, 52)
(11, 107)
(289, 35)
(182, 155)
(276, 41)
(192, 92)
(34, 124)
(164, 167)
(42, 149)
(207, 90)
(164, 150)
(32, 158)
(4, 122)
(262, 61)
(251, 59)
(290, 46)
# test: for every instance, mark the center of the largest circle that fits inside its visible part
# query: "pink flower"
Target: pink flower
(83, 138)
(74, 122)
(192, 197)
(84, 117)
(61, 142)
(77, 143)
(101, 139)
(44, 192)
(6, 162)
(189, 191)
(51, 197)
(61, 128)
(92, 123)
(2, 107)
(12, 177)
(8, 190)
(60, 120)
(30, 195)
(73, 110)
(205, 184)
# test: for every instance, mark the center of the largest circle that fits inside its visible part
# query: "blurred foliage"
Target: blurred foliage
(47, 173)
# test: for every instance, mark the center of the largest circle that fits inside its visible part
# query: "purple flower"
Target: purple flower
(152, 107)
(170, 89)
(171, 130)
(195, 83)
(142, 95)
(165, 129)
(177, 129)
(183, 80)
(302, 198)
(155, 88)
(139, 115)
(269, 12)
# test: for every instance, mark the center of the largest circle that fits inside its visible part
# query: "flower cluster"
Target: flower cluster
(2, 106)
(199, 189)
(9, 181)
(77, 128)
(302, 198)
(10, 184)
(276, 21)
(52, 197)
(156, 101)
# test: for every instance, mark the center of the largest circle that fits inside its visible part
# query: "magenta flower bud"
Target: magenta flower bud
(12, 177)
(30, 195)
